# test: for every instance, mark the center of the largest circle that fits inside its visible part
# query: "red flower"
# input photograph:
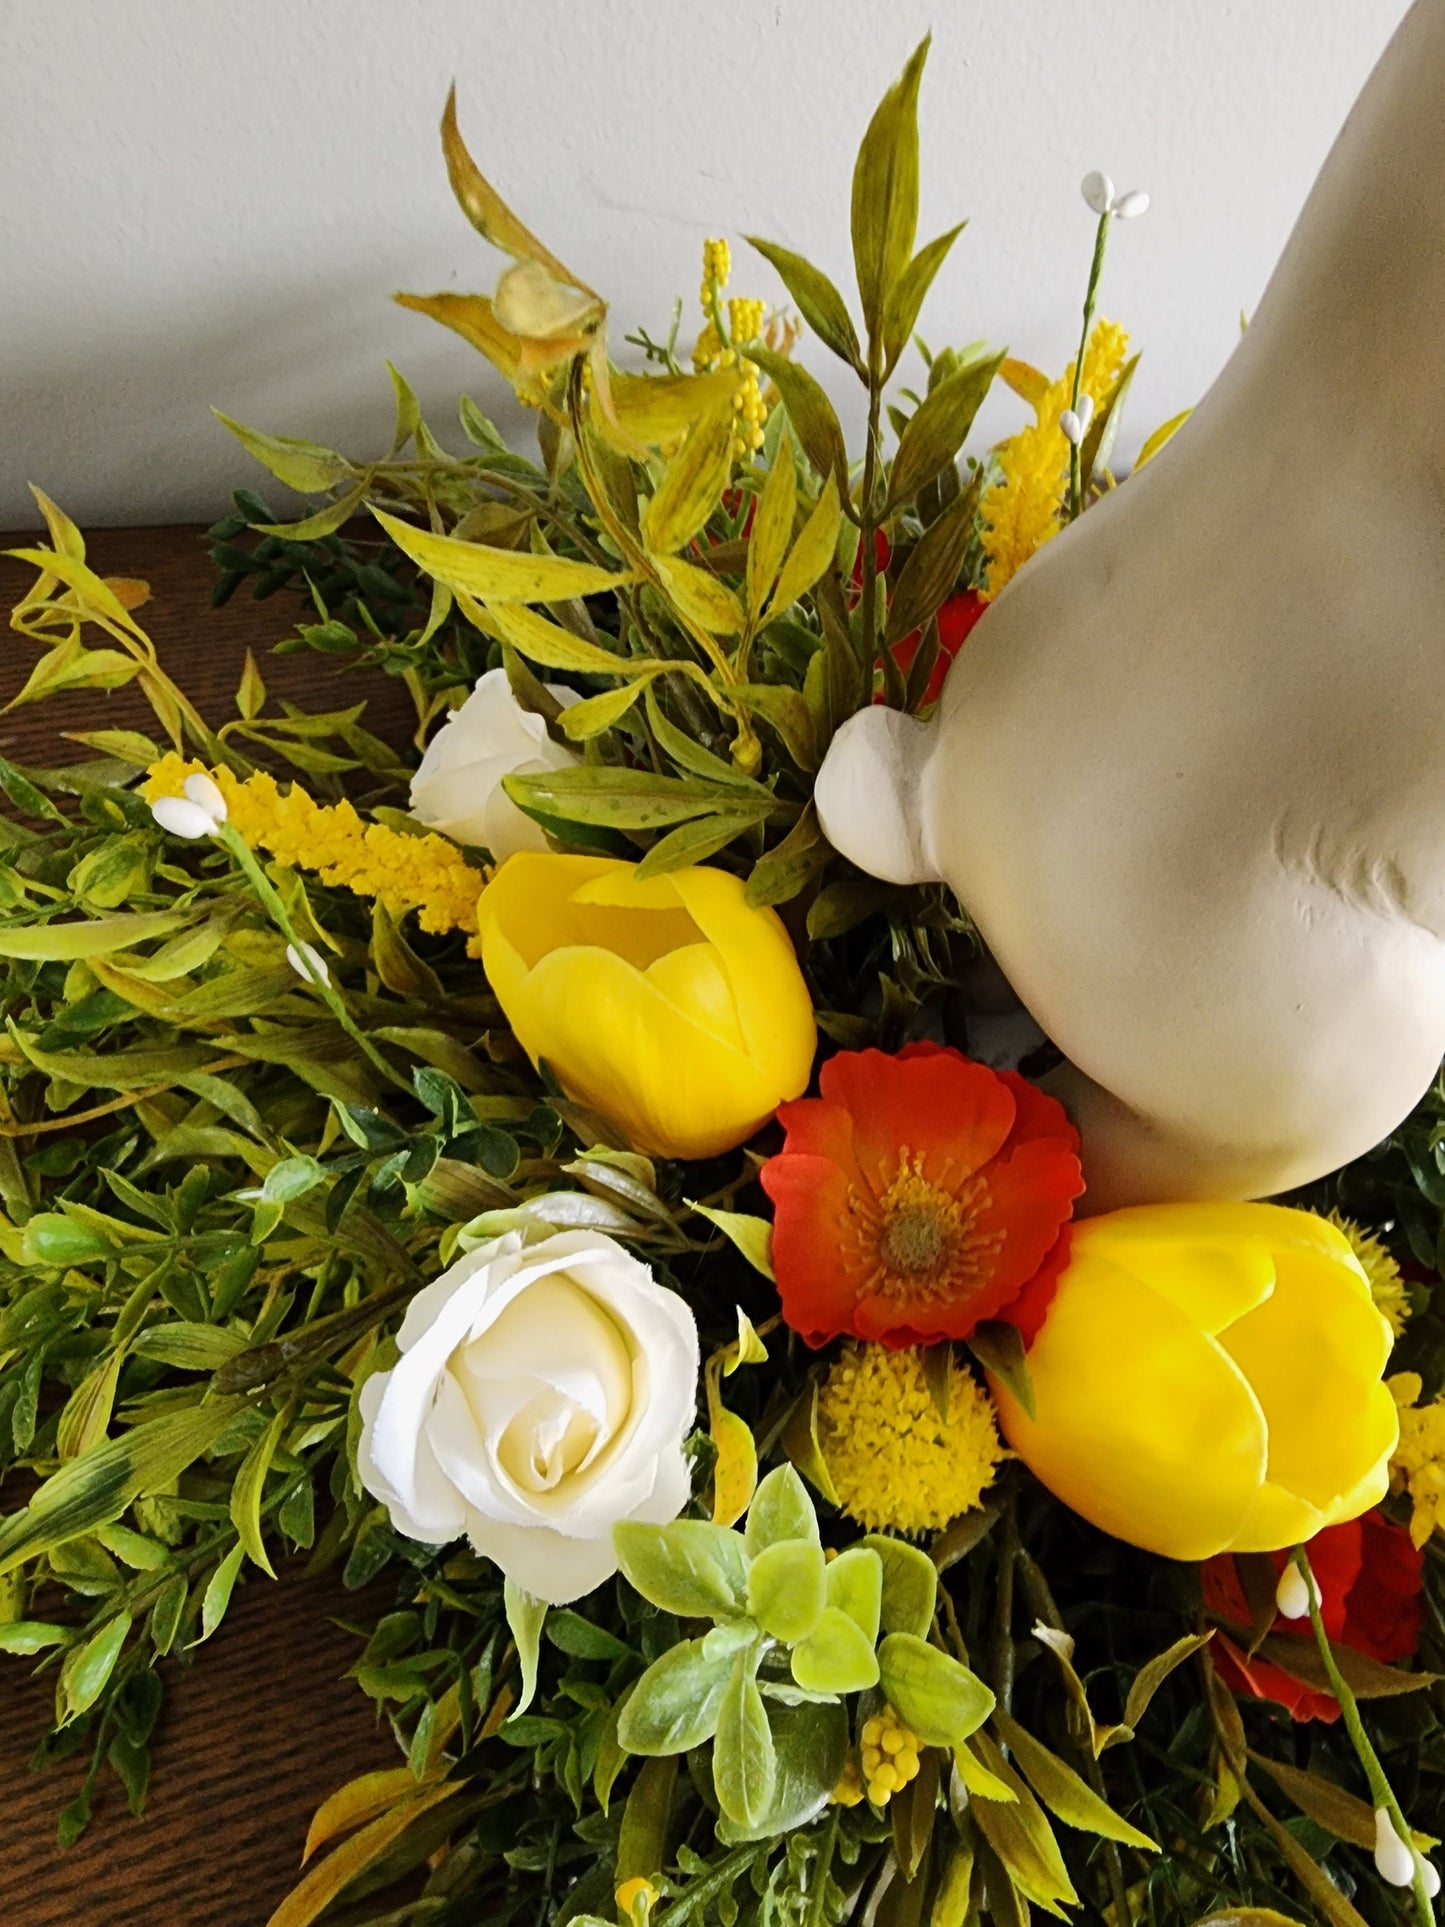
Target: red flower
(1368, 1574)
(955, 620)
(918, 1196)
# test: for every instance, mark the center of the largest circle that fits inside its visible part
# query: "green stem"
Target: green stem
(1096, 269)
(1381, 1792)
(1003, 1639)
(231, 839)
(868, 599)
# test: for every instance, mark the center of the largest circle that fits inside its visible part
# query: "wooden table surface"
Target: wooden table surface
(263, 1724)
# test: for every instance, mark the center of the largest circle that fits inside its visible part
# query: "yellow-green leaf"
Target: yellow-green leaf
(704, 601)
(87, 1668)
(250, 1486)
(355, 1803)
(474, 319)
(809, 410)
(799, 1440)
(90, 936)
(498, 575)
(86, 1417)
(811, 553)
(655, 409)
(326, 1880)
(1151, 1677)
(735, 1475)
(885, 192)
(485, 208)
(65, 537)
(977, 1778)
(1165, 432)
(772, 526)
(819, 302)
(1064, 1792)
(539, 640)
(935, 432)
(1021, 1836)
(326, 521)
(906, 296)
(304, 466)
(596, 713)
(69, 665)
(692, 483)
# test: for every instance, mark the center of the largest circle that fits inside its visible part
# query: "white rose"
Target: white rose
(542, 1395)
(458, 787)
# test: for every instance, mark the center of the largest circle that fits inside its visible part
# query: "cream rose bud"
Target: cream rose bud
(458, 787)
(542, 1396)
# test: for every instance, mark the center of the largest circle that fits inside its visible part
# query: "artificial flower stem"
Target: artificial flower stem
(1381, 1792)
(270, 898)
(1096, 270)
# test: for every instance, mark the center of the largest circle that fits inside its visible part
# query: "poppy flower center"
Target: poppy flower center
(921, 1238)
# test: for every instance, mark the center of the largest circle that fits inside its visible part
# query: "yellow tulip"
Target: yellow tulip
(668, 1005)
(1208, 1379)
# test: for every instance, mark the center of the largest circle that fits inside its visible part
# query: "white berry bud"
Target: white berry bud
(1129, 206)
(1072, 426)
(181, 817)
(200, 788)
(307, 961)
(1098, 191)
(1394, 1859)
(1292, 1596)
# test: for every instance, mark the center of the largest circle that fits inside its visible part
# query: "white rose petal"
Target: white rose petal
(181, 817)
(457, 789)
(542, 1395)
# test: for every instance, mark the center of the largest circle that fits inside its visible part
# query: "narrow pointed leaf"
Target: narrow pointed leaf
(818, 300)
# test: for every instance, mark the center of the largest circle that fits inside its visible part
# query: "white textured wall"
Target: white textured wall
(203, 201)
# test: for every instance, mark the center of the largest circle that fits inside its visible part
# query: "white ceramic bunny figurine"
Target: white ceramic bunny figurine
(1188, 775)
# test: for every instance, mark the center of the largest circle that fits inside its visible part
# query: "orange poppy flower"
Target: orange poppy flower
(918, 1196)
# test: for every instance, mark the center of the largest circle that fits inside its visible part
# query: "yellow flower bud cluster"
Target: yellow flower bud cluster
(849, 1790)
(890, 1756)
(1418, 1463)
(717, 267)
(746, 320)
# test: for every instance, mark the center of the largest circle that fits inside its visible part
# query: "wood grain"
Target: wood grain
(262, 1725)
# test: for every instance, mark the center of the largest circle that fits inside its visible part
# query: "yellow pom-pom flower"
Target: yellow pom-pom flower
(1209, 1379)
(1418, 1465)
(426, 874)
(1387, 1287)
(669, 1004)
(890, 1753)
(895, 1460)
(1020, 510)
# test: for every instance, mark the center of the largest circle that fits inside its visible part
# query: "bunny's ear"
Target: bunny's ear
(870, 795)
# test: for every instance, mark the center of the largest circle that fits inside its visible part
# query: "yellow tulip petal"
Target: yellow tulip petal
(692, 978)
(1144, 1426)
(774, 1009)
(1208, 1260)
(1312, 1352)
(1278, 1518)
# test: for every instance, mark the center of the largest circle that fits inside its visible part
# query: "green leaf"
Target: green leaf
(752, 1236)
(1098, 444)
(291, 1178)
(570, 1633)
(525, 1617)
(811, 413)
(690, 755)
(1149, 1678)
(218, 1592)
(87, 1668)
(855, 1587)
(22, 1637)
(29, 800)
(818, 301)
(744, 1761)
(677, 1702)
(97, 1487)
(304, 466)
(931, 1692)
(622, 799)
(772, 526)
(189, 1347)
(780, 1511)
(811, 554)
(937, 429)
(89, 936)
(689, 1568)
(931, 572)
(250, 1486)
(885, 192)
(906, 297)
(786, 870)
(910, 1585)
(696, 841)
(999, 1348)
(811, 1744)
(799, 1439)
(499, 575)
(788, 1584)
(836, 1657)
(692, 483)
(786, 711)
(646, 1824)
(1338, 1812)
(1366, 1678)
(52, 1238)
(1066, 1794)
(1021, 1836)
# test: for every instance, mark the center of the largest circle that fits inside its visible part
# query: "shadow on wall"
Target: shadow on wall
(81, 419)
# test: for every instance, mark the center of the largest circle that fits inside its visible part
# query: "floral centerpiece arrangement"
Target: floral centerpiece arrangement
(536, 1176)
